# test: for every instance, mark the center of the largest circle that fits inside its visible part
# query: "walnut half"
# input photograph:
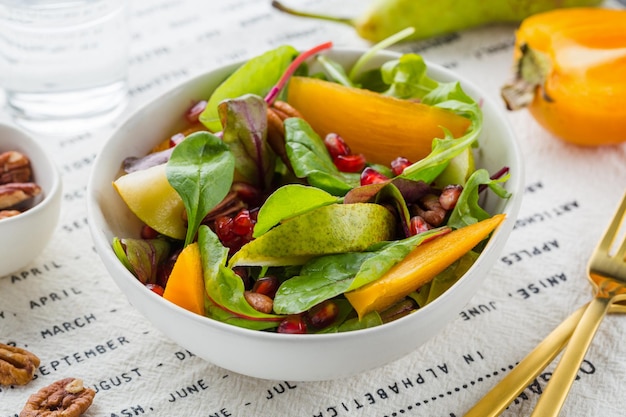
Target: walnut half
(64, 398)
(17, 365)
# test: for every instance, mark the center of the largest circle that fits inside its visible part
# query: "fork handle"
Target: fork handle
(499, 398)
(553, 397)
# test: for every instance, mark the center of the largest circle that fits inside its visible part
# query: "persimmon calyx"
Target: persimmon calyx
(531, 72)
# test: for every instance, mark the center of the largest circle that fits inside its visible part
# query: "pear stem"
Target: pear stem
(278, 5)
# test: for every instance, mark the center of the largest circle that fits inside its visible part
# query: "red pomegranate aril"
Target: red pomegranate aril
(371, 176)
(242, 223)
(148, 233)
(224, 228)
(336, 145)
(292, 325)
(399, 164)
(418, 225)
(323, 314)
(157, 289)
(194, 112)
(267, 285)
(350, 163)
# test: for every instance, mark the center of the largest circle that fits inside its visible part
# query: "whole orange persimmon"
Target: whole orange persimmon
(571, 74)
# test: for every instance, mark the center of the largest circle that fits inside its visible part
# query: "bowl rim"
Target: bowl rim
(511, 207)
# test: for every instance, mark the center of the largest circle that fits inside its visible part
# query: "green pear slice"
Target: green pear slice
(149, 195)
(331, 229)
(458, 170)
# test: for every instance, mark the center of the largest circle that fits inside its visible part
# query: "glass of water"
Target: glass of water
(63, 63)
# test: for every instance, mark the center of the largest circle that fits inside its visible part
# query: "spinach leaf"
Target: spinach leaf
(245, 132)
(257, 76)
(289, 201)
(371, 319)
(468, 210)
(224, 288)
(310, 159)
(328, 276)
(201, 171)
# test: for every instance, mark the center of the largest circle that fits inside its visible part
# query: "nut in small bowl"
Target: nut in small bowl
(30, 198)
(281, 355)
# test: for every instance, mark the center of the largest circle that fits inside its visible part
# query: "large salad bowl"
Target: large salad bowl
(272, 355)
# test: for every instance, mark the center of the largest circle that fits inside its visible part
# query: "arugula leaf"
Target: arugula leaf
(310, 159)
(468, 210)
(224, 288)
(257, 76)
(407, 77)
(289, 201)
(245, 132)
(328, 276)
(201, 171)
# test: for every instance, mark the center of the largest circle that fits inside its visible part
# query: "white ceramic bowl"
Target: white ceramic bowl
(24, 237)
(283, 356)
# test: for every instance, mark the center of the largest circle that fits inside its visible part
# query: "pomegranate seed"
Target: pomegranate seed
(323, 314)
(148, 233)
(165, 268)
(267, 285)
(418, 225)
(224, 228)
(292, 325)
(193, 113)
(336, 145)
(350, 163)
(399, 164)
(371, 176)
(157, 289)
(242, 223)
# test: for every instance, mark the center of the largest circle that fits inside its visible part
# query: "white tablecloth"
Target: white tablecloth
(65, 307)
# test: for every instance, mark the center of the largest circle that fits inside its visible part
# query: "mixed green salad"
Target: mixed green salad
(253, 218)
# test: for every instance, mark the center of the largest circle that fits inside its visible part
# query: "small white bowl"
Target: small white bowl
(284, 356)
(25, 236)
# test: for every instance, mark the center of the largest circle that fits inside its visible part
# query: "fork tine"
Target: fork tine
(613, 229)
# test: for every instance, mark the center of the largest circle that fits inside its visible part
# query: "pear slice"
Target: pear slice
(458, 170)
(149, 195)
(331, 229)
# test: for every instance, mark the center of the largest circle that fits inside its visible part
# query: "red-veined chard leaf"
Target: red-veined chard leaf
(201, 171)
(141, 257)
(245, 132)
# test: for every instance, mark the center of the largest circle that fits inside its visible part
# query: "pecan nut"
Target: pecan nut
(276, 115)
(14, 167)
(14, 193)
(64, 398)
(17, 365)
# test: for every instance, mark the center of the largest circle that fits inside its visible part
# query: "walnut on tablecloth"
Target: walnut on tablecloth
(17, 365)
(64, 398)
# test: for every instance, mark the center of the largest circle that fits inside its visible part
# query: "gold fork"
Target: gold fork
(516, 381)
(607, 274)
